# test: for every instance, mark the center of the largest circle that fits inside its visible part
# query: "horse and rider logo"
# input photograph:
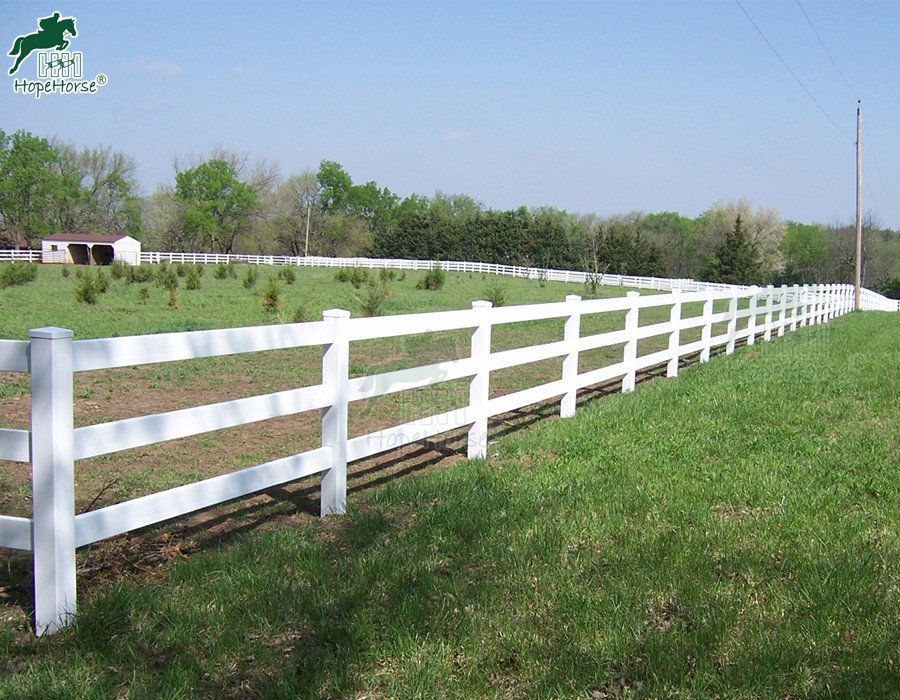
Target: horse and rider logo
(58, 71)
(51, 34)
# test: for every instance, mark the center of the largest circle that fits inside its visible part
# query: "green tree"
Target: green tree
(32, 189)
(217, 206)
(736, 260)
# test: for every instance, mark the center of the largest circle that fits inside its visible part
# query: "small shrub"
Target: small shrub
(232, 272)
(220, 271)
(17, 273)
(139, 273)
(199, 268)
(118, 270)
(192, 278)
(299, 315)
(372, 303)
(86, 291)
(356, 276)
(167, 278)
(288, 275)
(180, 269)
(386, 275)
(342, 275)
(271, 298)
(143, 295)
(173, 296)
(250, 276)
(432, 280)
(101, 282)
(65, 271)
(402, 276)
(496, 294)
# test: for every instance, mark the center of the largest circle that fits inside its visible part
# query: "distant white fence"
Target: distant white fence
(52, 445)
(871, 301)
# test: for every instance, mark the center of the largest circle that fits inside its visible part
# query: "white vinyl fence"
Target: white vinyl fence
(53, 445)
(871, 301)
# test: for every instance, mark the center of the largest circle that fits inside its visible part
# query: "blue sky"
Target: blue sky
(598, 106)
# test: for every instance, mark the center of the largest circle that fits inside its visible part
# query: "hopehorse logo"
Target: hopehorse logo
(51, 34)
(59, 72)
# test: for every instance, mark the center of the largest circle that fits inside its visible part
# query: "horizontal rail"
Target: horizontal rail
(598, 376)
(602, 340)
(155, 508)
(104, 438)
(15, 533)
(529, 312)
(15, 445)
(522, 356)
(14, 355)
(649, 331)
(410, 324)
(373, 385)
(391, 438)
(525, 397)
(127, 351)
(653, 358)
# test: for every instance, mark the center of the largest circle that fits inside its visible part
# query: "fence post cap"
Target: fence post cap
(481, 304)
(572, 298)
(50, 333)
(335, 313)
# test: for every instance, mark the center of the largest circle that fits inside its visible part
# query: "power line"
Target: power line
(789, 70)
(827, 52)
(878, 170)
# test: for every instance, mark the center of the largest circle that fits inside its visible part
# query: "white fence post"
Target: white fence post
(706, 332)
(782, 310)
(732, 322)
(480, 384)
(767, 319)
(804, 306)
(335, 371)
(53, 478)
(629, 355)
(675, 335)
(571, 333)
(795, 305)
(751, 319)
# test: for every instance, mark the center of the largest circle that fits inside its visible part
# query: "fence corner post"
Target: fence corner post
(571, 334)
(629, 354)
(732, 322)
(751, 319)
(706, 330)
(335, 372)
(53, 478)
(675, 335)
(479, 387)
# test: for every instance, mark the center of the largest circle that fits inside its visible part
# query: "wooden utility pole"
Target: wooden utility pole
(857, 300)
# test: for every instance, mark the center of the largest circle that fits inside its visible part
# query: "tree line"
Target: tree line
(226, 202)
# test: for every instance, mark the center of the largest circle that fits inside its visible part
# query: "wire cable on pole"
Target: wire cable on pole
(789, 70)
(827, 52)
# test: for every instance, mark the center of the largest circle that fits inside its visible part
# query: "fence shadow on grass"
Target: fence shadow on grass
(140, 555)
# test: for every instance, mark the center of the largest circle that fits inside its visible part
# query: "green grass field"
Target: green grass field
(730, 534)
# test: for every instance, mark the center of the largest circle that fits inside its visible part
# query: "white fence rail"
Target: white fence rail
(53, 444)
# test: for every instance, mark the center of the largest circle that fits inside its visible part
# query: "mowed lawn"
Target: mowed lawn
(732, 533)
